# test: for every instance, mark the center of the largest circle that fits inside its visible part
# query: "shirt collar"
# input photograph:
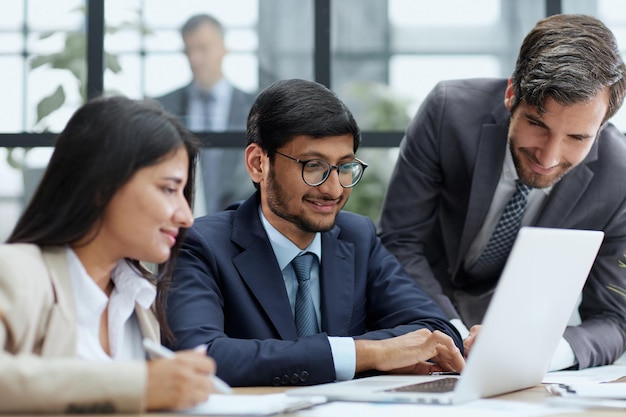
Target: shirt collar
(130, 286)
(220, 90)
(90, 299)
(284, 249)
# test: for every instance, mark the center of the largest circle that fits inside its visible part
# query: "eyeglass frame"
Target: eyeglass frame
(331, 168)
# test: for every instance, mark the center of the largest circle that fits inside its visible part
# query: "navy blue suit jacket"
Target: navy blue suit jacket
(228, 292)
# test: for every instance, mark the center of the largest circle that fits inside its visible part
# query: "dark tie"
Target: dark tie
(306, 318)
(493, 258)
(208, 102)
(211, 160)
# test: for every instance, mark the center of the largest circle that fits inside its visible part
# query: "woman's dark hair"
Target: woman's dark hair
(290, 108)
(569, 58)
(103, 145)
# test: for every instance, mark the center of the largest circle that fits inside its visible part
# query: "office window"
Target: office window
(147, 44)
(388, 54)
(385, 56)
(37, 44)
(397, 50)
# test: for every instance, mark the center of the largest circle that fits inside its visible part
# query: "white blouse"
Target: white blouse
(125, 338)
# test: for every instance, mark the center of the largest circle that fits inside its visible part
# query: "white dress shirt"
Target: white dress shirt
(222, 93)
(343, 349)
(125, 338)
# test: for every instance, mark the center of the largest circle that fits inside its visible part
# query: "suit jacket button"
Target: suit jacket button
(295, 378)
(285, 379)
(304, 376)
(276, 381)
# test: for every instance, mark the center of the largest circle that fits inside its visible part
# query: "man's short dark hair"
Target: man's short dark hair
(294, 107)
(197, 20)
(569, 58)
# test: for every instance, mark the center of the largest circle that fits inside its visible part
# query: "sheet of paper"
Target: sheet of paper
(609, 391)
(593, 403)
(479, 408)
(598, 374)
(252, 405)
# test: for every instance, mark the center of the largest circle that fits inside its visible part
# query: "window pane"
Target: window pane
(11, 99)
(65, 14)
(453, 13)
(11, 42)
(415, 75)
(12, 16)
(148, 45)
(49, 58)
(388, 54)
(258, 36)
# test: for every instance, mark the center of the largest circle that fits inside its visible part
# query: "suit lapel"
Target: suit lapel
(238, 112)
(148, 323)
(336, 283)
(487, 171)
(61, 327)
(259, 269)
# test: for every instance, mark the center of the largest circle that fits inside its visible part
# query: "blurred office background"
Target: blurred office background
(380, 56)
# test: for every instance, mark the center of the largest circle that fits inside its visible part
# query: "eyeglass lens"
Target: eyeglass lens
(316, 171)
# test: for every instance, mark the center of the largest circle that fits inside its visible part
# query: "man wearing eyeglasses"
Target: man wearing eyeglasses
(284, 288)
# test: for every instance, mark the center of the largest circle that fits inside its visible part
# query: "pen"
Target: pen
(444, 373)
(160, 351)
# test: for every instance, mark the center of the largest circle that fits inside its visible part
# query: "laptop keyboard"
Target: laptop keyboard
(439, 385)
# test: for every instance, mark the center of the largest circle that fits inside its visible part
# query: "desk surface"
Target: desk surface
(535, 394)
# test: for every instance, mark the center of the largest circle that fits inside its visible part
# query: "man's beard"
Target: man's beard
(531, 178)
(277, 201)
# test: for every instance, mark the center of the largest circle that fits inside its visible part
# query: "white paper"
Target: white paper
(598, 374)
(613, 391)
(478, 408)
(586, 403)
(252, 405)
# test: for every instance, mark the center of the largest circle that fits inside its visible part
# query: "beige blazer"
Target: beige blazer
(39, 371)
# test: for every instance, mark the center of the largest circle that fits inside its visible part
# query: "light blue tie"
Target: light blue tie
(493, 258)
(306, 318)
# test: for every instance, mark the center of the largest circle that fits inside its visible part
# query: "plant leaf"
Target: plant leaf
(111, 62)
(51, 103)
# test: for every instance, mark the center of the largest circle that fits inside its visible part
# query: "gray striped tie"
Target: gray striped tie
(306, 318)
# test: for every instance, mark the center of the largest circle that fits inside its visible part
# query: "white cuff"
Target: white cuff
(563, 356)
(460, 327)
(344, 357)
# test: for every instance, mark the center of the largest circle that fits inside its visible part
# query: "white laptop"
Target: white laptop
(535, 297)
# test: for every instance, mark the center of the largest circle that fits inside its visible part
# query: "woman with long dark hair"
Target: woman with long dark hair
(75, 298)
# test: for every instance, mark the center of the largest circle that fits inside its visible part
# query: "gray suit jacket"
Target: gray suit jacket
(441, 189)
(177, 102)
(38, 366)
(228, 181)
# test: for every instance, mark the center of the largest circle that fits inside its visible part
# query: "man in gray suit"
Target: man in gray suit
(546, 126)
(211, 103)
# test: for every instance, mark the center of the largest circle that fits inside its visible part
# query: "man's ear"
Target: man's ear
(509, 95)
(255, 160)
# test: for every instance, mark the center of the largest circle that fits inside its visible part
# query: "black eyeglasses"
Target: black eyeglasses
(316, 171)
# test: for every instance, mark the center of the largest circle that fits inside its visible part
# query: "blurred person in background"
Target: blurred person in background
(210, 103)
